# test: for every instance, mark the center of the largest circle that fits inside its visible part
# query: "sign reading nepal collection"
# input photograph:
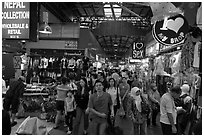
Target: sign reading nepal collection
(170, 31)
(138, 51)
(15, 20)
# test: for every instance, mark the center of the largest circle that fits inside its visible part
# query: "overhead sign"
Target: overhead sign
(15, 20)
(138, 51)
(171, 30)
(71, 44)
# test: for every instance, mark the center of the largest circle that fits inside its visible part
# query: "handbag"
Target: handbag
(145, 107)
(155, 106)
(139, 119)
(120, 111)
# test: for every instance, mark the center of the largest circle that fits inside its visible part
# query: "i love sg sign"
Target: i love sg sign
(138, 51)
(171, 31)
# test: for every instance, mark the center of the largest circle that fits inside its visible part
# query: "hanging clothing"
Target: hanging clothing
(71, 63)
(63, 63)
(196, 58)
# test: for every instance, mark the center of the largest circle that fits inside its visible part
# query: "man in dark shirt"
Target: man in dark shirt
(12, 97)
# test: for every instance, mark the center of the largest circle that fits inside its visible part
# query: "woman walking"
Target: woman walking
(113, 91)
(125, 122)
(140, 124)
(82, 98)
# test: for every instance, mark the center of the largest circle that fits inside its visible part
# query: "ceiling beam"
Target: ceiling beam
(113, 13)
(98, 10)
(53, 11)
(128, 10)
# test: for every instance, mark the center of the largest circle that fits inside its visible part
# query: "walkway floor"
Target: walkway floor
(151, 130)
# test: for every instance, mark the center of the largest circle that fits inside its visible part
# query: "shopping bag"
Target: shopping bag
(32, 126)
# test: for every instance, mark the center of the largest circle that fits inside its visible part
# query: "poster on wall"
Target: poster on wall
(15, 20)
(138, 50)
(171, 31)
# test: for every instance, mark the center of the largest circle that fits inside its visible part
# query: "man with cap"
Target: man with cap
(12, 97)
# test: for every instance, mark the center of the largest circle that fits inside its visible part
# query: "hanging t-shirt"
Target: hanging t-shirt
(44, 63)
(196, 58)
(64, 62)
(72, 62)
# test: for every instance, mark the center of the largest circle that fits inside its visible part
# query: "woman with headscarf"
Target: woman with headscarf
(140, 119)
(125, 122)
(184, 113)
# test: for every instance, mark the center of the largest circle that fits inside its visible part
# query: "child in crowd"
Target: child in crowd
(70, 107)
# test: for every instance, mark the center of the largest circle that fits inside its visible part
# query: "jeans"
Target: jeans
(69, 120)
(166, 129)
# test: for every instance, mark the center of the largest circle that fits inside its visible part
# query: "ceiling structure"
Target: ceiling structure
(92, 14)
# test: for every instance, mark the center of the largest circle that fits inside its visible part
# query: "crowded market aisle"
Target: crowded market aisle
(121, 68)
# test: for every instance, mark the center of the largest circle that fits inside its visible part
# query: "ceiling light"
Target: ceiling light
(45, 28)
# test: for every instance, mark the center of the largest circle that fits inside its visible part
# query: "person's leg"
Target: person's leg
(166, 129)
(60, 108)
(57, 119)
(143, 128)
(92, 129)
(77, 121)
(154, 117)
(102, 128)
(136, 129)
(71, 121)
(66, 119)
(14, 109)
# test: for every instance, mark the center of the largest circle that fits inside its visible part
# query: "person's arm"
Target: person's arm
(169, 108)
(65, 107)
(152, 98)
(171, 120)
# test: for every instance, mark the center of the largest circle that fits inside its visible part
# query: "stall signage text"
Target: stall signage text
(71, 44)
(170, 31)
(138, 51)
(15, 20)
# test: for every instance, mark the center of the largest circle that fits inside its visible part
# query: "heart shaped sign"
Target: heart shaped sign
(175, 25)
(139, 45)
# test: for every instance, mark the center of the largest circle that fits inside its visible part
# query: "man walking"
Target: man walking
(12, 98)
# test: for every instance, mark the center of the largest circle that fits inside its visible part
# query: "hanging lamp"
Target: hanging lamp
(45, 28)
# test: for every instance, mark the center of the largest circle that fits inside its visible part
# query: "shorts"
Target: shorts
(11, 104)
(60, 105)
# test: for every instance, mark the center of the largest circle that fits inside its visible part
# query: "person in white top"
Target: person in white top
(168, 111)
(113, 91)
(69, 107)
(4, 89)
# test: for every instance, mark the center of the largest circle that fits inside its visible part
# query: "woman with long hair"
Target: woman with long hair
(113, 91)
(82, 98)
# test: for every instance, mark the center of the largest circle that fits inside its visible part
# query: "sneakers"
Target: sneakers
(69, 132)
